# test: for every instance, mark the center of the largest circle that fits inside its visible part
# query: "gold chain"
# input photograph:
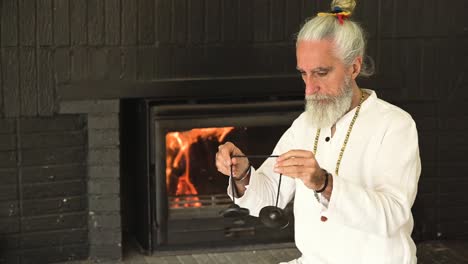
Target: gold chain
(338, 162)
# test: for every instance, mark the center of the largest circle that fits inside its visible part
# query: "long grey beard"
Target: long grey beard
(324, 110)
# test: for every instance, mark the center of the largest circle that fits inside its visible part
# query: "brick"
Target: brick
(114, 64)
(55, 124)
(146, 63)
(453, 123)
(110, 121)
(44, 174)
(453, 199)
(129, 23)
(180, 59)
(112, 22)
(103, 203)
(10, 258)
(53, 156)
(55, 254)
(109, 221)
(107, 252)
(7, 159)
(95, 22)
(180, 24)
(62, 65)
(45, 82)
(103, 171)
(105, 236)
(28, 88)
(55, 189)
(8, 176)
(9, 209)
(7, 126)
(7, 142)
(164, 20)
(129, 64)
(97, 63)
(454, 230)
(428, 146)
(146, 33)
(9, 192)
(27, 14)
(9, 23)
(213, 19)
(54, 238)
(165, 64)
(61, 22)
(10, 79)
(78, 22)
(59, 205)
(93, 107)
(229, 20)
(79, 63)
(54, 140)
(104, 156)
(54, 222)
(245, 21)
(9, 225)
(196, 23)
(104, 186)
(9, 243)
(103, 138)
(453, 183)
(44, 22)
(292, 18)
(196, 55)
(262, 20)
(453, 213)
(1, 86)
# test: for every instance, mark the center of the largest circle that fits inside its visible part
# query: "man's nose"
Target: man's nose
(311, 86)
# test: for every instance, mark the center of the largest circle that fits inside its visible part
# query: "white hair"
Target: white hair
(348, 37)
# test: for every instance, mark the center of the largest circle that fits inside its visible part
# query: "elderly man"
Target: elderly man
(351, 159)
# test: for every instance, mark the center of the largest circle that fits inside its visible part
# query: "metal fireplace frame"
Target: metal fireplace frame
(147, 115)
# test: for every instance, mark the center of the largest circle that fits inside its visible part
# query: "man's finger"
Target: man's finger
(295, 154)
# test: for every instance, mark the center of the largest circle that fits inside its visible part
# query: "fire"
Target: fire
(178, 161)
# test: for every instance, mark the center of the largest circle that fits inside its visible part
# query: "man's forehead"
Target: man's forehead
(321, 44)
(316, 53)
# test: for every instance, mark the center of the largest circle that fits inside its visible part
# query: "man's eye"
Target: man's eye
(322, 73)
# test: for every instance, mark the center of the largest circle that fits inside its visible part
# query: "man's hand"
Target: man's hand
(224, 160)
(301, 164)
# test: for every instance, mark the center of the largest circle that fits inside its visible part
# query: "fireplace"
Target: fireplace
(176, 193)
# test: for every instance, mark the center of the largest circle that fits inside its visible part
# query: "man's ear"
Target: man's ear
(356, 67)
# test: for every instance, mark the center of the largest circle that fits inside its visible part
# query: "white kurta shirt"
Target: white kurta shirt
(369, 212)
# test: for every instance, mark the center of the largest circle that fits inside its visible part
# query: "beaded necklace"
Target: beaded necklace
(340, 156)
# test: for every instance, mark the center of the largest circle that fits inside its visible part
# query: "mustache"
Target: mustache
(316, 98)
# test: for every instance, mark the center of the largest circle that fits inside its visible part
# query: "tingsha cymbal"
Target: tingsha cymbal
(273, 217)
(234, 210)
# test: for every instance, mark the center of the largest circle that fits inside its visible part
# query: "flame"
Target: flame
(177, 154)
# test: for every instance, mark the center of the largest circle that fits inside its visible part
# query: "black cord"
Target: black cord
(232, 185)
(255, 156)
(279, 185)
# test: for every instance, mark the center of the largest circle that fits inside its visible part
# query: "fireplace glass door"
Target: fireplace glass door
(187, 193)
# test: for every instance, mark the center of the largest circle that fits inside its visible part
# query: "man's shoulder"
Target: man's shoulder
(388, 112)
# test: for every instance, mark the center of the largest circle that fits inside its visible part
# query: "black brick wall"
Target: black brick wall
(420, 50)
(43, 201)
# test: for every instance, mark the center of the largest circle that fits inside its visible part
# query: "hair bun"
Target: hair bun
(345, 5)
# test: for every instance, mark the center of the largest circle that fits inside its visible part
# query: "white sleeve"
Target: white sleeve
(263, 185)
(385, 208)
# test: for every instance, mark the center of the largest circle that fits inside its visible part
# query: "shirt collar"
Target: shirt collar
(345, 120)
